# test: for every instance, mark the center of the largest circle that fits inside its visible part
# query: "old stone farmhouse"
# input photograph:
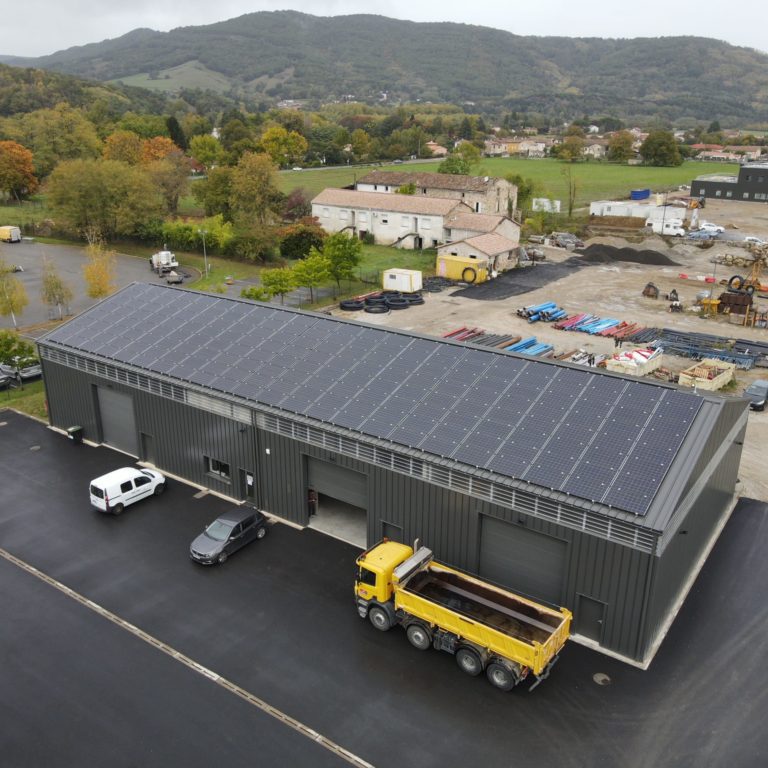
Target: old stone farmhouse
(483, 194)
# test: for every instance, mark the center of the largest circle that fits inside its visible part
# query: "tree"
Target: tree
(571, 149)
(54, 291)
(526, 188)
(343, 253)
(454, 164)
(620, 147)
(361, 144)
(297, 205)
(571, 187)
(17, 177)
(157, 148)
(107, 196)
(99, 271)
(176, 133)
(297, 240)
(171, 175)
(660, 149)
(714, 127)
(312, 272)
(207, 150)
(124, 146)
(278, 282)
(284, 147)
(254, 198)
(214, 193)
(13, 295)
(13, 347)
(53, 135)
(256, 293)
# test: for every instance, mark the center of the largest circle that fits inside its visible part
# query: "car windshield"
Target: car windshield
(757, 389)
(219, 530)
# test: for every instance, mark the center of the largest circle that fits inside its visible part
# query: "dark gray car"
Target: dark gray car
(226, 534)
(757, 392)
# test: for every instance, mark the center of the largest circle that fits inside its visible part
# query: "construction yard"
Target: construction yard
(608, 283)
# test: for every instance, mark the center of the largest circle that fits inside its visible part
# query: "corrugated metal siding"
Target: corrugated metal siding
(70, 399)
(182, 435)
(673, 567)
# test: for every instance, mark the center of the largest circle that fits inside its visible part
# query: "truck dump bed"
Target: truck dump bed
(494, 618)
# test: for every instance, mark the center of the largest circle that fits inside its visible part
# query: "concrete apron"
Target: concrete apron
(341, 520)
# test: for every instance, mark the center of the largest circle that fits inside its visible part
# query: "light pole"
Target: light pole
(203, 233)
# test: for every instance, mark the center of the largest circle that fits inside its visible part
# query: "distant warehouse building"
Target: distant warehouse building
(751, 184)
(577, 487)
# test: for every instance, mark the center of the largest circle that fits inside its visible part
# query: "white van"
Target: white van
(115, 491)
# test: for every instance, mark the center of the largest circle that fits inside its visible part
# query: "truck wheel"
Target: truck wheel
(469, 661)
(118, 509)
(419, 636)
(379, 618)
(261, 533)
(469, 275)
(500, 677)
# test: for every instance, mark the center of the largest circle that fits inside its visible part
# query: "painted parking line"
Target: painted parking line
(168, 650)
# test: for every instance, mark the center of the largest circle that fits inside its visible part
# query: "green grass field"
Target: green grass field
(596, 181)
(30, 399)
(28, 212)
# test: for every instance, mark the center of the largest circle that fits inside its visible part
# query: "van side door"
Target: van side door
(143, 486)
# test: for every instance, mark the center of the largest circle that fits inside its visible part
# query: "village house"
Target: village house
(483, 194)
(746, 153)
(436, 149)
(407, 221)
(595, 150)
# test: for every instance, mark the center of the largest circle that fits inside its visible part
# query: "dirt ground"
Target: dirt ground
(612, 290)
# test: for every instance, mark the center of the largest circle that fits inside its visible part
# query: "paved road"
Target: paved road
(278, 620)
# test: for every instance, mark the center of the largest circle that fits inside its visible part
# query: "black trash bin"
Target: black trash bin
(75, 434)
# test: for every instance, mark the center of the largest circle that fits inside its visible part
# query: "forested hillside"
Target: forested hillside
(286, 54)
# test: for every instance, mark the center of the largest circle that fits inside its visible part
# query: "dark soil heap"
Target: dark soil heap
(605, 254)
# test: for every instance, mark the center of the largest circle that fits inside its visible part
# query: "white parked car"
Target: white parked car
(114, 491)
(707, 226)
(752, 240)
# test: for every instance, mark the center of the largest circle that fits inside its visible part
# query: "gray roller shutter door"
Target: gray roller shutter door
(338, 482)
(118, 424)
(522, 560)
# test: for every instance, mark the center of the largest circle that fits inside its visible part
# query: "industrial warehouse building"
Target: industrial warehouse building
(581, 488)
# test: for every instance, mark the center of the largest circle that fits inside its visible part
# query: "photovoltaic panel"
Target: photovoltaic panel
(590, 435)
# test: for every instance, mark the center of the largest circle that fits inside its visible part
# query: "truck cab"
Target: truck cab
(375, 569)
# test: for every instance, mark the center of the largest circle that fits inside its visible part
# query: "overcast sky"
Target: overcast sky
(45, 26)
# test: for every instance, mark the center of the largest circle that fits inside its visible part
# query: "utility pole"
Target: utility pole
(203, 233)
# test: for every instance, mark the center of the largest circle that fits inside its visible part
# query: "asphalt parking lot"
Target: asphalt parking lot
(278, 620)
(69, 261)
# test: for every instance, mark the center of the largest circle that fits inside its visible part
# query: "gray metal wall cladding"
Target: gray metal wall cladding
(445, 520)
(182, 435)
(449, 523)
(674, 566)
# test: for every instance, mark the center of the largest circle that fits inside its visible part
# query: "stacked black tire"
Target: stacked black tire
(383, 302)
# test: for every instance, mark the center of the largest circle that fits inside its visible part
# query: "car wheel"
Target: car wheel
(469, 661)
(118, 509)
(261, 533)
(159, 488)
(222, 558)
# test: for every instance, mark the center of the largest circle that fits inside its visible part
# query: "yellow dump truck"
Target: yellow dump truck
(484, 626)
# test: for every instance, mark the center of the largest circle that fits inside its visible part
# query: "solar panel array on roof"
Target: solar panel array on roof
(590, 435)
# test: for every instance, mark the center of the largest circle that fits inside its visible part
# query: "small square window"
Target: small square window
(729, 193)
(746, 196)
(217, 467)
(718, 193)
